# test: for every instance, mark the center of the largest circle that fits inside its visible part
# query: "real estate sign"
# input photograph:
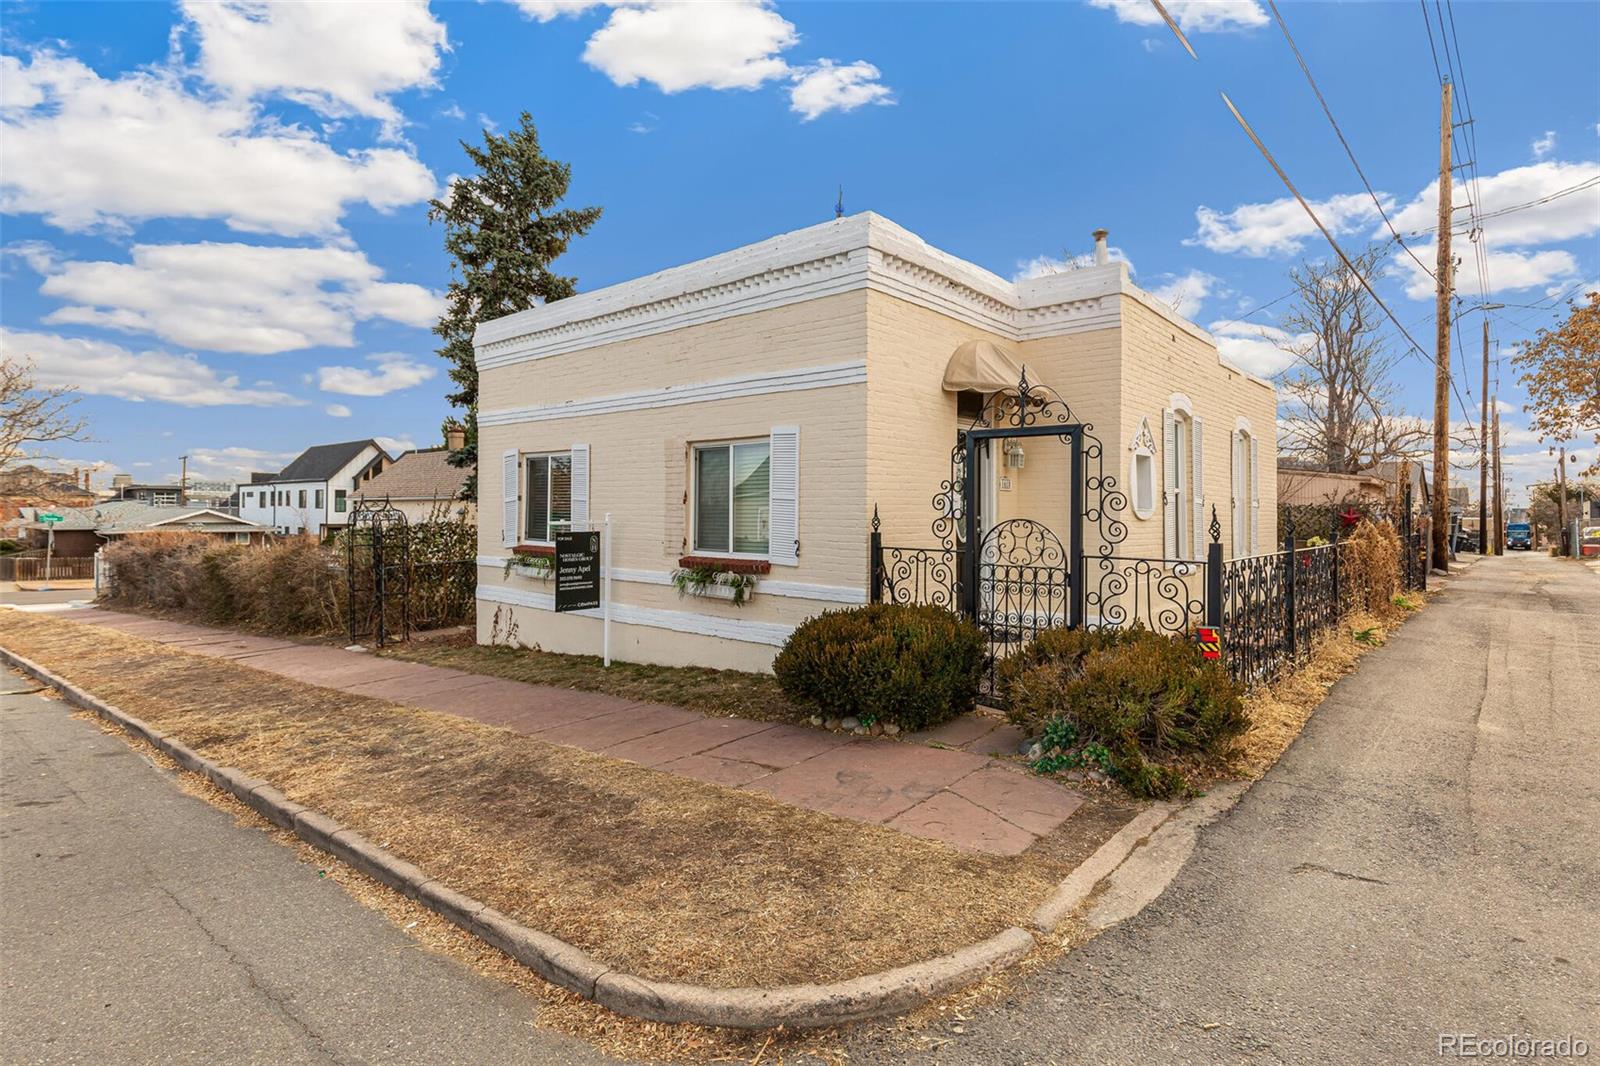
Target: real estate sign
(577, 571)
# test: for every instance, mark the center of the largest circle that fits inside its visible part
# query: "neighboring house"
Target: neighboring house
(422, 484)
(1297, 486)
(751, 411)
(24, 486)
(84, 530)
(314, 493)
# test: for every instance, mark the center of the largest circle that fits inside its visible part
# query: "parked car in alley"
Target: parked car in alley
(1519, 536)
(1590, 544)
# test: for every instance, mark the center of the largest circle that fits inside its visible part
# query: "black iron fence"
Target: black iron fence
(1270, 608)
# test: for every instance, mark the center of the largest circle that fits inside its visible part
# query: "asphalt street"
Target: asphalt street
(142, 925)
(1424, 860)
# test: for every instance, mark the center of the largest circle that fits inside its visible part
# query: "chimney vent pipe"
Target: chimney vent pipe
(1102, 253)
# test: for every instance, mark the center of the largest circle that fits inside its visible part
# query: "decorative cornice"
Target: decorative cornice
(799, 379)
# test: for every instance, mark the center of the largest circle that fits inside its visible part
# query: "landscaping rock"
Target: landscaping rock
(1035, 751)
(891, 729)
(816, 719)
(851, 723)
(832, 723)
(877, 729)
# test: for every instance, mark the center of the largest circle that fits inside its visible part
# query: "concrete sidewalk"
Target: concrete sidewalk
(956, 793)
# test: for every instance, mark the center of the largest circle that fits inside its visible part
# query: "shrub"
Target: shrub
(1133, 699)
(295, 587)
(910, 666)
(1371, 566)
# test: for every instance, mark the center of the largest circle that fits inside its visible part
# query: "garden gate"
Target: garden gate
(378, 570)
(1024, 575)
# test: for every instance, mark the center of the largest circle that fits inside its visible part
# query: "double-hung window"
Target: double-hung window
(731, 497)
(548, 489)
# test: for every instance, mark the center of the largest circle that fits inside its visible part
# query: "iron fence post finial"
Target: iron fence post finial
(1216, 526)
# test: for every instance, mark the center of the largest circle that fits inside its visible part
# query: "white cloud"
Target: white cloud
(831, 87)
(1575, 214)
(1280, 227)
(1254, 348)
(336, 410)
(1044, 265)
(236, 297)
(1543, 146)
(395, 371)
(99, 368)
(1193, 16)
(730, 45)
(545, 10)
(396, 445)
(1508, 270)
(234, 463)
(1184, 293)
(336, 58)
(453, 112)
(87, 152)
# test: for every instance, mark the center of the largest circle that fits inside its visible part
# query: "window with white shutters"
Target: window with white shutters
(784, 496)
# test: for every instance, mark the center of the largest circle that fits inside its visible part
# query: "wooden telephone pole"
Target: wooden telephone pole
(1561, 501)
(1441, 368)
(183, 482)
(1499, 486)
(1483, 452)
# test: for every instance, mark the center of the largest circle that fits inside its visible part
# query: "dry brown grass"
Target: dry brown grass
(652, 873)
(711, 692)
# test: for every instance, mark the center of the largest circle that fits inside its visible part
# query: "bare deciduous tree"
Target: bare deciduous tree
(1339, 412)
(31, 416)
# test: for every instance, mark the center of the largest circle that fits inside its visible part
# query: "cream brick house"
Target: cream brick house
(753, 409)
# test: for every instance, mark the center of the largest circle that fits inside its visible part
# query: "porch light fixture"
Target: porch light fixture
(1016, 458)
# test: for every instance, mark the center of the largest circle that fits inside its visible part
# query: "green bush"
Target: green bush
(913, 667)
(1146, 699)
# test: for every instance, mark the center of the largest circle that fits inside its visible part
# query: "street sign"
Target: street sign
(1210, 641)
(50, 519)
(577, 571)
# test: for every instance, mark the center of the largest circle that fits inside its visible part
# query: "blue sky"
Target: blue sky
(214, 214)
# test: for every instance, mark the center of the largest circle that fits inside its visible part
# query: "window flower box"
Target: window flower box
(733, 580)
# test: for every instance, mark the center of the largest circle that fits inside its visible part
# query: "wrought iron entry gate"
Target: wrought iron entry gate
(378, 574)
(1024, 574)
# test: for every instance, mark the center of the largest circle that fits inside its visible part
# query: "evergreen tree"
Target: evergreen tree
(503, 228)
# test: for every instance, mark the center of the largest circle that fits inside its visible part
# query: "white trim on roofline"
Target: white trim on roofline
(205, 510)
(813, 377)
(799, 590)
(769, 633)
(864, 251)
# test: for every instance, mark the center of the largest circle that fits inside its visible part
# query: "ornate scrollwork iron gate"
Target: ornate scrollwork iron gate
(1024, 575)
(378, 574)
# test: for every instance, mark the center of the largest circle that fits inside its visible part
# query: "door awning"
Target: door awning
(982, 366)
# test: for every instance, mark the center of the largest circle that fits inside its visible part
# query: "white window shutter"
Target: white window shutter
(1237, 503)
(510, 500)
(1255, 499)
(783, 496)
(580, 487)
(1197, 490)
(1169, 484)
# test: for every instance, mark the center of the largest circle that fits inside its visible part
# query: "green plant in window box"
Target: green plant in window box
(701, 580)
(541, 567)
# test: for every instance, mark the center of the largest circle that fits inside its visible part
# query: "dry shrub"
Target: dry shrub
(295, 586)
(1372, 566)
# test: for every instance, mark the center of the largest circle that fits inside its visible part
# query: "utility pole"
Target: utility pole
(1499, 486)
(1441, 358)
(1483, 452)
(183, 482)
(1561, 500)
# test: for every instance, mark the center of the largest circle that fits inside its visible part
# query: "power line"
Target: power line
(1328, 111)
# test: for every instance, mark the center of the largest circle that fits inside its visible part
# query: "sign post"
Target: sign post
(605, 600)
(49, 518)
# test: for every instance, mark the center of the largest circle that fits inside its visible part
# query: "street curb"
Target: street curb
(803, 1006)
(1110, 855)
